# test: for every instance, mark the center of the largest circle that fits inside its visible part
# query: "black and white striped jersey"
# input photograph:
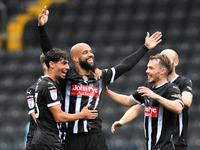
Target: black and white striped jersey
(82, 90)
(47, 94)
(159, 122)
(180, 132)
(30, 99)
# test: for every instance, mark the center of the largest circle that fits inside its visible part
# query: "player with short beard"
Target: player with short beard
(161, 102)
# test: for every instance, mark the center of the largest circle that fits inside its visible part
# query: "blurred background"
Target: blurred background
(114, 29)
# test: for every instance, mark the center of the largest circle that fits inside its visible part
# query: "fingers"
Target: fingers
(113, 128)
(44, 10)
(157, 36)
(88, 106)
(47, 12)
(147, 35)
(93, 111)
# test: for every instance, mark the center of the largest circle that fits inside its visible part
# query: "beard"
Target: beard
(85, 65)
(155, 79)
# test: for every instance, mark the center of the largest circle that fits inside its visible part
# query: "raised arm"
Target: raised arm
(130, 61)
(129, 115)
(44, 39)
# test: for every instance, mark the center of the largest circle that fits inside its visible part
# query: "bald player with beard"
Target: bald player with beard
(80, 88)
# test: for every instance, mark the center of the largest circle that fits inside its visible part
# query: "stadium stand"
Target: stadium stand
(114, 29)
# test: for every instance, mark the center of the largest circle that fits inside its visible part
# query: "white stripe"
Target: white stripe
(77, 110)
(113, 75)
(85, 125)
(31, 111)
(149, 132)
(98, 98)
(187, 92)
(160, 121)
(53, 104)
(67, 97)
(174, 78)
(180, 102)
(180, 123)
(145, 135)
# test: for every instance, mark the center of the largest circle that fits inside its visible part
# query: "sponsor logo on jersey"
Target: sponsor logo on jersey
(84, 90)
(30, 103)
(53, 94)
(189, 88)
(176, 95)
(150, 111)
(28, 92)
(176, 87)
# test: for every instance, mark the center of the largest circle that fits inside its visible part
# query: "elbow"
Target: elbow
(58, 119)
(178, 111)
(187, 104)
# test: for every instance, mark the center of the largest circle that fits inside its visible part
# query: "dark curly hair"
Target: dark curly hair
(55, 55)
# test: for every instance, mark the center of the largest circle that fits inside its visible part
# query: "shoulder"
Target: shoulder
(46, 83)
(172, 87)
(183, 79)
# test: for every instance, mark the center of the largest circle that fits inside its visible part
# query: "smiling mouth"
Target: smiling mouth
(90, 60)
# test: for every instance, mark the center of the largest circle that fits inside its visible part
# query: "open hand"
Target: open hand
(152, 41)
(89, 114)
(43, 16)
(116, 125)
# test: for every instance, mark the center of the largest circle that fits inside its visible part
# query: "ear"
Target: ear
(163, 71)
(51, 64)
(75, 59)
(44, 66)
(176, 62)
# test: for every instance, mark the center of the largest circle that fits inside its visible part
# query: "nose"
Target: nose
(91, 54)
(67, 66)
(147, 71)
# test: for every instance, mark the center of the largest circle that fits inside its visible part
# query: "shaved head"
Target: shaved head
(83, 57)
(171, 54)
(77, 48)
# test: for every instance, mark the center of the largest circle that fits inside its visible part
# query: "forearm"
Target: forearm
(129, 62)
(119, 98)
(33, 115)
(173, 106)
(44, 40)
(67, 117)
(131, 113)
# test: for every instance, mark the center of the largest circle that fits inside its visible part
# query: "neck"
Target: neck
(171, 76)
(52, 76)
(161, 81)
(82, 71)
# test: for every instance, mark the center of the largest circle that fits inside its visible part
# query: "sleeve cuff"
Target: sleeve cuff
(144, 47)
(42, 31)
(135, 100)
(31, 111)
(181, 102)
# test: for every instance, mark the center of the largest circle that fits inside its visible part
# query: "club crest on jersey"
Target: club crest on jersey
(53, 94)
(85, 78)
(30, 103)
